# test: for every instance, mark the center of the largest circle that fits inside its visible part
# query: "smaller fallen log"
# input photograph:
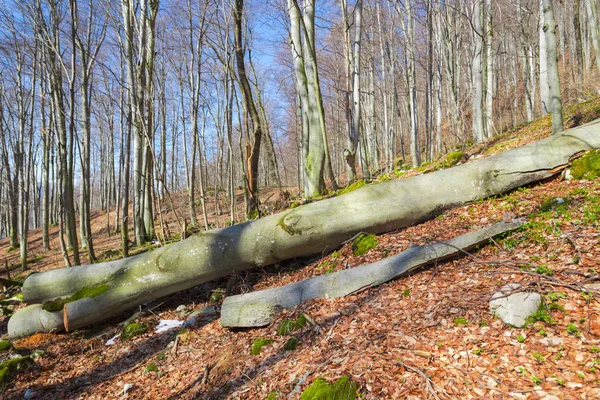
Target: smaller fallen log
(259, 308)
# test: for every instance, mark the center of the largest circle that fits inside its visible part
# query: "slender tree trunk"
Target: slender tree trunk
(477, 74)
(593, 27)
(549, 28)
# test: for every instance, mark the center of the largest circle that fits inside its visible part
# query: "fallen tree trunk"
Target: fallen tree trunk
(259, 308)
(306, 230)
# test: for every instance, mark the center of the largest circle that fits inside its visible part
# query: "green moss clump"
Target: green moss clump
(12, 366)
(217, 295)
(286, 327)
(271, 396)
(5, 345)
(587, 167)
(452, 159)
(84, 292)
(363, 243)
(131, 330)
(352, 187)
(291, 344)
(300, 322)
(384, 177)
(258, 345)
(342, 389)
(554, 202)
(253, 214)
(151, 368)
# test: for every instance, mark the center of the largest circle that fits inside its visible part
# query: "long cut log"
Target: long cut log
(303, 231)
(259, 308)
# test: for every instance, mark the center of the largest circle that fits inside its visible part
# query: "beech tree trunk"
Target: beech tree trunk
(302, 231)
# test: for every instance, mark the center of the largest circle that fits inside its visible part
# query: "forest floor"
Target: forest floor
(429, 335)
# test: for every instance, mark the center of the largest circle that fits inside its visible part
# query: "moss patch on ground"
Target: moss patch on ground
(288, 326)
(342, 389)
(587, 167)
(131, 330)
(5, 345)
(11, 367)
(291, 344)
(258, 345)
(363, 243)
(85, 292)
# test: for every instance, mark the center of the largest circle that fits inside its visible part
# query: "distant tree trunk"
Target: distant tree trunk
(352, 63)
(477, 74)
(489, 71)
(527, 61)
(549, 28)
(412, 88)
(578, 48)
(309, 92)
(593, 27)
(250, 106)
(544, 89)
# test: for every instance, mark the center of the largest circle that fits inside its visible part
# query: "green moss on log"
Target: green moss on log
(131, 330)
(11, 367)
(452, 159)
(84, 292)
(288, 223)
(258, 345)
(342, 389)
(363, 243)
(588, 166)
(352, 187)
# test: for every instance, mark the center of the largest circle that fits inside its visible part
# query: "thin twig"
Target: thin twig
(431, 385)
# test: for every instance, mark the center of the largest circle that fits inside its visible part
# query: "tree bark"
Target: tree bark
(306, 230)
(259, 308)
(477, 75)
(555, 99)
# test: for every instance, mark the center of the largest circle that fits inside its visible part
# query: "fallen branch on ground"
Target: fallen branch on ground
(259, 308)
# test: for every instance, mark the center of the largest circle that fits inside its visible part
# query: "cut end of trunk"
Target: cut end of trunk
(65, 318)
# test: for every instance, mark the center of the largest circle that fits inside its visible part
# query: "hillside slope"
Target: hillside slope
(429, 333)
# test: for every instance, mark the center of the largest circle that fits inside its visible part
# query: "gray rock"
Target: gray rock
(568, 175)
(514, 308)
(29, 394)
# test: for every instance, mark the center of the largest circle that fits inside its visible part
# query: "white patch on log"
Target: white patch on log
(148, 278)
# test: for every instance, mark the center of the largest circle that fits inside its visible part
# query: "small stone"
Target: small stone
(29, 394)
(514, 308)
(593, 287)
(127, 387)
(551, 341)
(180, 308)
(568, 175)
